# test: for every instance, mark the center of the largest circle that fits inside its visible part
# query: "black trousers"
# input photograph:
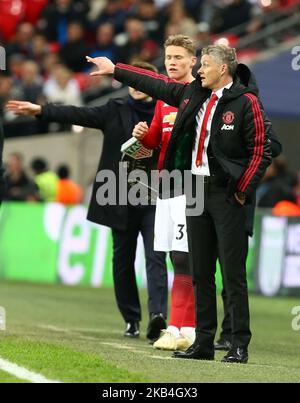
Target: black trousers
(226, 323)
(140, 220)
(220, 229)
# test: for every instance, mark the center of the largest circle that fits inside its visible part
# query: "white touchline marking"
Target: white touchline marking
(23, 373)
(93, 330)
(76, 329)
(159, 357)
(88, 338)
(54, 328)
(117, 345)
(124, 347)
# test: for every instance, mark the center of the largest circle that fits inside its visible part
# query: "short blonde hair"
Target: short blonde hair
(223, 54)
(183, 41)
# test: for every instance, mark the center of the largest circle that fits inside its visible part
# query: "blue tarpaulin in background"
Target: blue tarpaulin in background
(279, 85)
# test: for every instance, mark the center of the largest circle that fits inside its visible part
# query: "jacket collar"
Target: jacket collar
(243, 81)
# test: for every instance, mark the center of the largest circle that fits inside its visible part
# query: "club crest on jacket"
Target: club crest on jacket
(228, 117)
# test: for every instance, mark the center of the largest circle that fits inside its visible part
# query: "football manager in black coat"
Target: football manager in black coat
(220, 134)
(224, 341)
(117, 119)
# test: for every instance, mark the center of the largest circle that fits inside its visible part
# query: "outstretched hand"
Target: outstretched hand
(23, 108)
(140, 130)
(105, 65)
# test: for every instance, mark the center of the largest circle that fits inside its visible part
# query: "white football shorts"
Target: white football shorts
(170, 225)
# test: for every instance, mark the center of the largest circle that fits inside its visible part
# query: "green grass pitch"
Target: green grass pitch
(75, 335)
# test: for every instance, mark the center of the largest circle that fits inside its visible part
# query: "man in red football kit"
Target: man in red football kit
(170, 222)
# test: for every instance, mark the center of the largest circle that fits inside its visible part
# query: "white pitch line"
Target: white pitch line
(23, 373)
(159, 357)
(117, 345)
(54, 328)
(124, 347)
(76, 329)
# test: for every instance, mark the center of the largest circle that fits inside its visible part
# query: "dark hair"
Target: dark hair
(39, 165)
(63, 172)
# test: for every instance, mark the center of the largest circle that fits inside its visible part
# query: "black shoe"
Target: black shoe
(156, 324)
(236, 355)
(194, 352)
(223, 345)
(132, 330)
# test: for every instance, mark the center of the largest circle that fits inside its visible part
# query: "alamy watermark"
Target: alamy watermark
(296, 59)
(138, 187)
(2, 58)
(296, 321)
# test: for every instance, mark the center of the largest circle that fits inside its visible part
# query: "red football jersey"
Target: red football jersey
(161, 129)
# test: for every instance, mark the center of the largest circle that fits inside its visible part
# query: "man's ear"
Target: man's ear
(224, 69)
(194, 61)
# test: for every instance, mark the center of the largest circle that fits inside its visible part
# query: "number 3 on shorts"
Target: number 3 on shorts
(180, 232)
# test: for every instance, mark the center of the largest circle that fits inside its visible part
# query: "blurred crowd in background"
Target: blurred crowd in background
(279, 190)
(43, 185)
(46, 42)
